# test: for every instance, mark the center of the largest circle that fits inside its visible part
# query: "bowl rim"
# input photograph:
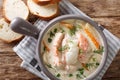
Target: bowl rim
(66, 17)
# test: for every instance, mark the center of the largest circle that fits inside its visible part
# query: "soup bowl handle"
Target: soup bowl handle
(21, 26)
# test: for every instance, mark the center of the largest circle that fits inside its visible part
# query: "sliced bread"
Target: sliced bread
(42, 2)
(45, 12)
(15, 8)
(6, 34)
(55, 1)
(46, 2)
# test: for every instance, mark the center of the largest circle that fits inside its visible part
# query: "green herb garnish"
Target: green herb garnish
(55, 30)
(88, 65)
(100, 51)
(58, 75)
(62, 30)
(94, 59)
(49, 66)
(63, 48)
(80, 51)
(49, 40)
(97, 64)
(72, 31)
(44, 48)
(78, 75)
(71, 41)
(78, 26)
(51, 34)
(81, 70)
(70, 75)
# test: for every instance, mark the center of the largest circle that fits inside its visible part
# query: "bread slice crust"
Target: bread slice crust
(42, 2)
(15, 13)
(6, 34)
(45, 7)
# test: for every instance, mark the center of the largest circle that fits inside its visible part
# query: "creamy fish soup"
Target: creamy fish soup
(72, 49)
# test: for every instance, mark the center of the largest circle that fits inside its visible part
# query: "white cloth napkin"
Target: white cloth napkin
(26, 48)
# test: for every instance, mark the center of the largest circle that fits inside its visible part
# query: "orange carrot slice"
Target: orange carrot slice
(47, 48)
(84, 66)
(96, 43)
(68, 25)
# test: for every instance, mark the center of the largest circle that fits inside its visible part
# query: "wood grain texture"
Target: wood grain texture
(105, 12)
(99, 8)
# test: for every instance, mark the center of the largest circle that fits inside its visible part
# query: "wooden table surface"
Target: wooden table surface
(105, 12)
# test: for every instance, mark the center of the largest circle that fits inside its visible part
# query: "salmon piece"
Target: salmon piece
(58, 39)
(57, 43)
(83, 42)
(64, 60)
(84, 58)
(57, 58)
(56, 52)
(56, 61)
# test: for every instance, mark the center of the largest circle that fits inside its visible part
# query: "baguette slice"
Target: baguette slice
(46, 2)
(15, 8)
(55, 1)
(42, 2)
(45, 12)
(6, 34)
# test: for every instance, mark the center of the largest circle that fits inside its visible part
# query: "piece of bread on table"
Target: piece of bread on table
(15, 8)
(55, 1)
(42, 2)
(6, 34)
(46, 2)
(44, 12)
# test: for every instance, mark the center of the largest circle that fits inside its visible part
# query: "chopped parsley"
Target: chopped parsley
(71, 41)
(78, 75)
(60, 49)
(44, 48)
(72, 31)
(62, 30)
(49, 40)
(100, 50)
(51, 34)
(79, 26)
(58, 75)
(70, 75)
(63, 48)
(80, 51)
(49, 66)
(55, 30)
(97, 64)
(94, 59)
(81, 70)
(89, 65)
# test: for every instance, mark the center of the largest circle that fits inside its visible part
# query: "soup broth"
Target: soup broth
(72, 49)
